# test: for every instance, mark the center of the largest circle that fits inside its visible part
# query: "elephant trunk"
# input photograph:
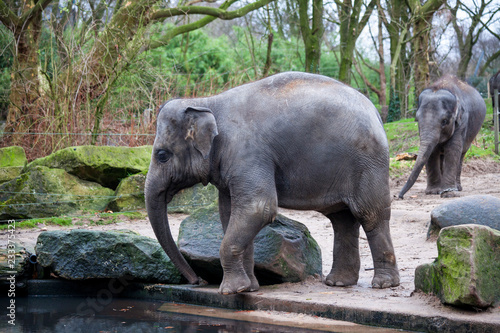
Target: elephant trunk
(156, 205)
(424, 152)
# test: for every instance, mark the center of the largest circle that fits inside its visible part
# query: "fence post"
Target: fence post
(496, 113)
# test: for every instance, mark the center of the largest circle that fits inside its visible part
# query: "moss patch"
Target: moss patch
(467, 270)
(12, 157)
(44, 192)
(102, 164)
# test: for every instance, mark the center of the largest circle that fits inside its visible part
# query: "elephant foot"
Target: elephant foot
(385, 278)
(433, 190)
(236, 284)
(254, 284)
(450, 192)
(337, 279)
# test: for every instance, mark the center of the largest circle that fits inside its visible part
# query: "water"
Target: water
(75, 315)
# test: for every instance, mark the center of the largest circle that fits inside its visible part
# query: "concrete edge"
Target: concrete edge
(208, 296)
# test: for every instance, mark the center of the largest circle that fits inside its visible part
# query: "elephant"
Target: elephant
(450, 114)
(494, 83)
(294, 140)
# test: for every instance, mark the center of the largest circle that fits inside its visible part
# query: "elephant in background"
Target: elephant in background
(293, 140)
(449, 115)
(494, 83)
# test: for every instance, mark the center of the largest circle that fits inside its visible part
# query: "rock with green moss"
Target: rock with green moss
(129, 194)
(44, 192)
(467, 270)
(191, 199)
(12, 161)
(105, 165)
(284, 251)
(91, 254)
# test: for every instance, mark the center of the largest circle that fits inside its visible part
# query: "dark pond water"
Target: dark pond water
(74, 315)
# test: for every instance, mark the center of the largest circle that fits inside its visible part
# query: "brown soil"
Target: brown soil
(409, 224)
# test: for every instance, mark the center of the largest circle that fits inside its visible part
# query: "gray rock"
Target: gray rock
(13, 260)
(44, 192)
(90, 254)
(474, 209)
(105, 165)
(284, 251)
(467, 270)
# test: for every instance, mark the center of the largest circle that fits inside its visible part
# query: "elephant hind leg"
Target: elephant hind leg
(384, 259)
(346, 262)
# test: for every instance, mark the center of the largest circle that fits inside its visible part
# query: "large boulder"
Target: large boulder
(12, 161)
(90, 254)
(474, 209)
(467, 270)
(284, 251)
(44, 192)
(105, 165)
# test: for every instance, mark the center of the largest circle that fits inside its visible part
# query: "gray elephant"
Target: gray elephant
(494, 83)
(449, 115)
(293, 140)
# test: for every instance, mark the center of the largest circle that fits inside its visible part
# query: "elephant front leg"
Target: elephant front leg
(346, 262)
(248, 259)
(236, 250)
(433, 169)
(452, 167)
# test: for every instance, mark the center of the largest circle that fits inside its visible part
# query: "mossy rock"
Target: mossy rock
(129, 194)
(193, 198)
(93, 254)
(467, 270)
(284, 251)
(12, 161)
(105, 165)
(45, 192)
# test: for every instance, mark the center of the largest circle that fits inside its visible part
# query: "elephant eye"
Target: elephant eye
(444, 122)
(163, 155)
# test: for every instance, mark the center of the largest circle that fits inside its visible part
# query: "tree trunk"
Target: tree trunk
(312, 36)
(422, 17)
(25, 81)
(350, 29)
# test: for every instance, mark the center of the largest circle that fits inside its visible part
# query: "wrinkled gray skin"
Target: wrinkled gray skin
(450, 114)
(293, 140)
(494, 84)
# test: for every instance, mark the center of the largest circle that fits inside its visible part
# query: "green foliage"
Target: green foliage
(402, 136)
(198, 64)
(34, 223)
(394, 107)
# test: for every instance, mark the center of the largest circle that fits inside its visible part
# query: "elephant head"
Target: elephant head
(437, 115)
(180, 159)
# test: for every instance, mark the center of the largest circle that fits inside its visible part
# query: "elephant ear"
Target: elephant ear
(201, 129)
(458, 112)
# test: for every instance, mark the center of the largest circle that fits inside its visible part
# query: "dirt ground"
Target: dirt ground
(409, 223)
